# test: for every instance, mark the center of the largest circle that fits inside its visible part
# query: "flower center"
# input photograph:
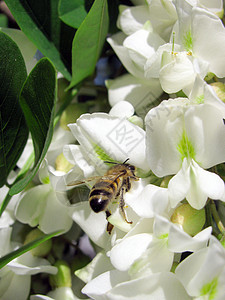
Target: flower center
(185, 147)
(210, 289)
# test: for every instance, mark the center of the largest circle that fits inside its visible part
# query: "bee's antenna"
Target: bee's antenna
(110, 162)
(125, 161)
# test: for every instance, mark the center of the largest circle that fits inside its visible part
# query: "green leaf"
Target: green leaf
(3, 21)
(40, 22)
(37, 99)
(88, 41)
(13, 129)
(72, 12)
(4, 260)
(27, 48)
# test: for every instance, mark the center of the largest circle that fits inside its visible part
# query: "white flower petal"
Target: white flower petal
(196, 184)
(17, 288)
(152, 200)
(93, 224)
(163, 286)
(177, 74)
(99, 264)
(133, 18)
(162, 15)
(164, 121)
(116, 42)
(211, 48)
(32, 204)
(5, 236)
(63, 292)
(99, 286)
(206, 131)
(179, 241)
(6, 219)
(124, 254)
(122, 109)
(179, 185)
(42, 297)
(55, 215)
(201, 267)
(140, 93)
(76, 156)
(141, 45)
(27, 264)
(117, 137)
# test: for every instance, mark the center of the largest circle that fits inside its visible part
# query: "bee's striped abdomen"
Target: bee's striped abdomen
(102, 193)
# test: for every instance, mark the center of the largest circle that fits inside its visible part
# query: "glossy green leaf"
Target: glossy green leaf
(27, 48)
(13, 129)
(88, 41)
(40, 22)
(72, 12)
(4, 260)
(37, 99)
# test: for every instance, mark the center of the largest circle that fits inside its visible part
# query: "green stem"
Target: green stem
(217, 218)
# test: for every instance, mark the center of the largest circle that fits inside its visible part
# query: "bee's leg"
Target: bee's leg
(122, 204)
(109, 225)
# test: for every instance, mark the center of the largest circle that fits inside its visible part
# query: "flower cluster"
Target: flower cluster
(167, 120)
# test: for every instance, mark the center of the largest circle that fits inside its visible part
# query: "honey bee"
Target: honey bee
(110, 187)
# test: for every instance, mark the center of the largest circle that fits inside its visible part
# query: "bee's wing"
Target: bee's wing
(79, 182)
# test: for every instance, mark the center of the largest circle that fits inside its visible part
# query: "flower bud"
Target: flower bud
(209, 76)
(62, 85)
(165, 181)
(136, 121)
(62, 164)
(63, 276)
(72, 113)
(41, 250)
(191, 220)
(219, 88)
(220, 14)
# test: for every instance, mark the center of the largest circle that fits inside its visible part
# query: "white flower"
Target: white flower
(192, 138)
(118, 285)
(59, 293)
(150, 246)
(203, 272)
(139, 92)
(7, 218)
(103, 137)
(162, 16)
(193, 53)
(42, 206)
(133, 51)
(16, 275)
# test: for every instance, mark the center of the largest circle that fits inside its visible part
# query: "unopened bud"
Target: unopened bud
(62, 164)
(209, 76)
(63, 276)
(191, 220)
(41, 250)
(219, 88)
(165, 181)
